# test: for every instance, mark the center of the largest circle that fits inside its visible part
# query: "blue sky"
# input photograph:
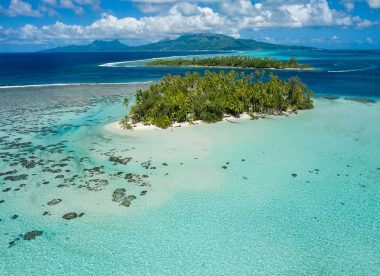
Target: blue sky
(28, 25)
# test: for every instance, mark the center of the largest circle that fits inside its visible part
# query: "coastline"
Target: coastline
(233, 67)
(261, 188)
(296, 194)
(74, 84)
(116, 127)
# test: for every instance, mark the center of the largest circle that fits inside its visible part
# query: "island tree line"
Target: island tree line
(212, 96)
(231, 61)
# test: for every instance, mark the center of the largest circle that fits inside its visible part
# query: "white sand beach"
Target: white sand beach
(116, 127)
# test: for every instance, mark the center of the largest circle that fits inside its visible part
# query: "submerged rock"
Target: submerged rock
(146, 164)
(118, 195)
(143, 193)
(137, 179)
(95, 184)
(9, 172)
(54, 201)
(361, 100)
(27, 164)
(16, 177)
(128, 200)
(69, 216)
(32, 235)
(120, 160)
(12, 243)
(329, 97)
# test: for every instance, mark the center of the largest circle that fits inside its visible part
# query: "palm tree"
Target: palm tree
(126, 102)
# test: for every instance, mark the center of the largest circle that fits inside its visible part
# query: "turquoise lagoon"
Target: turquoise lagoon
(277, 196)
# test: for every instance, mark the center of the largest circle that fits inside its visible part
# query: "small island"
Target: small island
(242, 62)
(209, 98)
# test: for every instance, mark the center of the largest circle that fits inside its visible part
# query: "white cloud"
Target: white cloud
(230, 18)
(94, 4)
(369, 40)
(50, 2)
(159, 6)
(349, 5)
(23, 8)
(153, 28)
(77, 6)
(375, 4)
(69, 4)
(20, 8)
(290, 14)
(186, 8)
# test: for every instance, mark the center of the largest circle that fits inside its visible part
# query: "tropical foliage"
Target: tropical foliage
(231, 61)
(210, 97)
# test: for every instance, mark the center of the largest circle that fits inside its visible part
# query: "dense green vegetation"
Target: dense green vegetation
(210, 97)
(231, 61)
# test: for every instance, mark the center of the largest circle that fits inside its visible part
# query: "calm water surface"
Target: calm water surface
(299, 194)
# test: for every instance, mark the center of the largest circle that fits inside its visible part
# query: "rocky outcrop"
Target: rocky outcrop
(120, 160)
(54, 201)
(70, 216)
(16, 177)
(119, 196)
(32, 235)
(128, 200)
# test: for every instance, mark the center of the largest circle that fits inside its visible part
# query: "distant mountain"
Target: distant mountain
(95, 46)
(213, 42)
(192, 42)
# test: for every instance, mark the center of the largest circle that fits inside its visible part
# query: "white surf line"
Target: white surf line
(114, 64)
(353, 70)
(74, 84)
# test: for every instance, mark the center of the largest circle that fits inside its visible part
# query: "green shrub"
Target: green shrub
(162, 122)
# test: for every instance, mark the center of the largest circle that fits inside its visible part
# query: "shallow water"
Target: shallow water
(283, 195)
(297, 194)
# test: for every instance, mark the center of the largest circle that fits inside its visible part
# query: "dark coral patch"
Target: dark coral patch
(54, 201)
(16, 177)
(69, 216)
(32, 235)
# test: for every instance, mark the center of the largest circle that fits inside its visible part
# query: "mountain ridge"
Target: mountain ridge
(187, 42)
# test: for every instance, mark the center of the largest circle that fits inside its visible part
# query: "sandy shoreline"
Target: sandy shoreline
(116, 127)
(232, 67)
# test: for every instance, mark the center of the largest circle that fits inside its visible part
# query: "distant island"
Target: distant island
(231, 62)
(191, 42)
(209, 98)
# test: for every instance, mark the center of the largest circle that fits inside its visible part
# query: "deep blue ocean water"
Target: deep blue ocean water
(353, 73)
(295, 195)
